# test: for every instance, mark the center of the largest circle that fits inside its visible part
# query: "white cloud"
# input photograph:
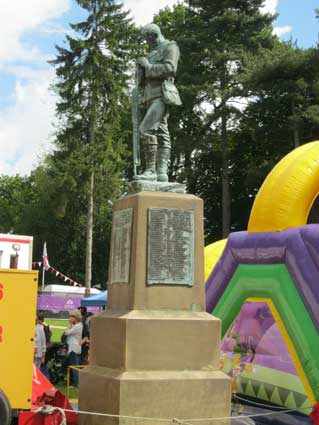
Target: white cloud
(20, 16)
(282, 30)
(26, 127)
(270, 6)
(143, 11)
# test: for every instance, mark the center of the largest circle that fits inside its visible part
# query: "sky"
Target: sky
(29, 31)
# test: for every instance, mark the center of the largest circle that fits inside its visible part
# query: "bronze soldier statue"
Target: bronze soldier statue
(158, 93)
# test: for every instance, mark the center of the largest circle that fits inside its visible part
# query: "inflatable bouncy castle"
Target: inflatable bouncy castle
(264, 285)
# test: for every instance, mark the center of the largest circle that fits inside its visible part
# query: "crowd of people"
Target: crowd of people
(76, 337)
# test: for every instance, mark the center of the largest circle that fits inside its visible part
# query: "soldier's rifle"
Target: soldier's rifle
(136, 118)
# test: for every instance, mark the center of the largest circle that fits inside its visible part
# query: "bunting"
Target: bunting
(69, 281)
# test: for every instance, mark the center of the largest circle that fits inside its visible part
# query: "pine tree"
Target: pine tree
(92, 84)
(288, 77)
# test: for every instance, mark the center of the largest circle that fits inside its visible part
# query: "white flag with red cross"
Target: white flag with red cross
(46, 264)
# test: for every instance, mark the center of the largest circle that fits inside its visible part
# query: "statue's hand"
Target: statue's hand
(143, 62)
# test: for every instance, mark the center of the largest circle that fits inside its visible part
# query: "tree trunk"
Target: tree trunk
(187, 166)
(225, 176)
(89, 237)
(90, 198)
(89, 218)
(295, 128)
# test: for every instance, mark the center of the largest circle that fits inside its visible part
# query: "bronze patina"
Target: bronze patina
(157, 92)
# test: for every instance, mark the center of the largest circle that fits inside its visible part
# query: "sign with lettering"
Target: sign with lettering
(170, 247)
(121, 246)
(18, 294)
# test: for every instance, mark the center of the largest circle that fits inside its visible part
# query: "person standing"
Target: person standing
(39, 344)
(74, 337)
(48, 334)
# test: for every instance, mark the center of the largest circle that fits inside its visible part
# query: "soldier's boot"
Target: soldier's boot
(150, 164)
(163, 157)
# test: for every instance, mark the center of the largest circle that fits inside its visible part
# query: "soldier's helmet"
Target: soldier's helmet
(151, 29)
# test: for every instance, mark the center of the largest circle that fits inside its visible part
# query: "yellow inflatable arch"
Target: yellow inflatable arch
(212, 254)
(284, 200)
(288, 193)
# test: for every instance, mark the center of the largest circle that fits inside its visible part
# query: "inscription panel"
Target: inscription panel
(121, 246)
(170, 247)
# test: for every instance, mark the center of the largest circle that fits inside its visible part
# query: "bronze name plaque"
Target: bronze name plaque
(121, 246)
(170, 247)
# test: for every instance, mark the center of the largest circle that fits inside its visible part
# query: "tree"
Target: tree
(92, 84)
(289, 76)
(15, 195)
(283, 112)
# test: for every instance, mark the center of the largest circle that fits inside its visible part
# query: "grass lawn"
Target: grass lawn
(55, 326)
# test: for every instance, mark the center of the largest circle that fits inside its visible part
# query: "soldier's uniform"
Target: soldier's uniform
(159, 91)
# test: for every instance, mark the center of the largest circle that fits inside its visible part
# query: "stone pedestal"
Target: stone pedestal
(155, 351)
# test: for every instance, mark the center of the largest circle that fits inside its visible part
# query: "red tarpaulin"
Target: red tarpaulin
(44, 393)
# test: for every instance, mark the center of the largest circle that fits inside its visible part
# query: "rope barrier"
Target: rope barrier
(49, 410)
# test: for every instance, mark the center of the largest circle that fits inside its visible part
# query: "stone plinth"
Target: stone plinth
(156, 340)
(154, 394)
(155, 351)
